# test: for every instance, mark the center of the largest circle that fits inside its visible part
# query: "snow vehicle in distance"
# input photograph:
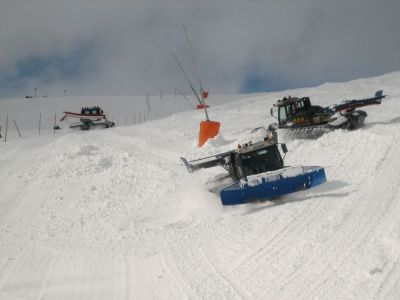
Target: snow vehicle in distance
(257, 172)
(300, 116)
(89, 117)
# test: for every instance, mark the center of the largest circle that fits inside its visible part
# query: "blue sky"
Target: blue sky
(123, 47)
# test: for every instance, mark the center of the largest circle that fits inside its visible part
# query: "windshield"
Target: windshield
(282, 115)
(260, 161)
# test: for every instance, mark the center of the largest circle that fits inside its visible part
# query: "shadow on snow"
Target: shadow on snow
(323, 191)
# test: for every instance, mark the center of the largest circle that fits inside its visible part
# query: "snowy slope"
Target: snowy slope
(113, 214)
(124, 111)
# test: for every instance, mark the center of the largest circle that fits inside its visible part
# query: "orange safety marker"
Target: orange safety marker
(201, 106)
(208, 130)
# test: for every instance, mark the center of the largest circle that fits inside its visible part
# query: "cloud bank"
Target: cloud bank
(123, 47)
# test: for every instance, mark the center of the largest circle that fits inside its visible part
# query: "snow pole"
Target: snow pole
(196, 75)
(5, 136)
(194, 69)
(201, 101)
(208, 128)
(187, 100)
(19, 133)
(55, 123)
(148, 102)
(187, 78)
(40, 121)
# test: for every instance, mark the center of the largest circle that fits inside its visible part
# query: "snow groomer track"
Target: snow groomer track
(115, 215)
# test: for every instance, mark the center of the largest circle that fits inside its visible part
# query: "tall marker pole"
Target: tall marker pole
(5, 137)
(40, 121)
(19, 133)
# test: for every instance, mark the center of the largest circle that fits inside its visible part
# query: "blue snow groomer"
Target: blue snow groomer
(257, 172)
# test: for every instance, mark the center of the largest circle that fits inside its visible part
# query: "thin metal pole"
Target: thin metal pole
(187, 78)
(5, 137)
(194, 70)
(196, 73)
(187, 100)
(40, 121)
(55, 121)
(148, 102)
(19, 133)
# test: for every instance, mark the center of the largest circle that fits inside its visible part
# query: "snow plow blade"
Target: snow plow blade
(205, 162)
(272, 184)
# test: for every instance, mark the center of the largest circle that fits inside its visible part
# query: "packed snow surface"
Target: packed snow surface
(114, 214)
